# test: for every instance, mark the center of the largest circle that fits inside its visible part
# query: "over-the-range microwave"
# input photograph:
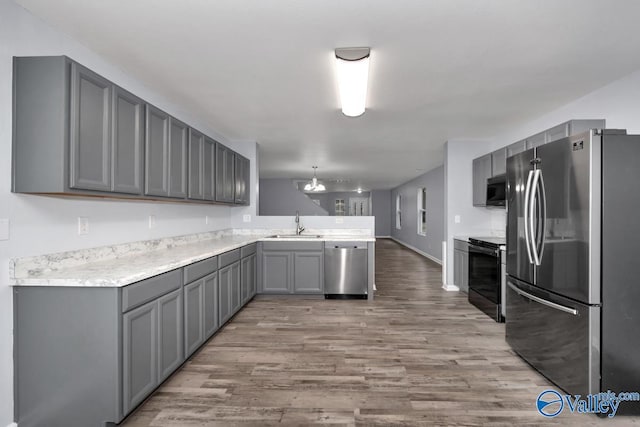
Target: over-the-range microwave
(497, 190)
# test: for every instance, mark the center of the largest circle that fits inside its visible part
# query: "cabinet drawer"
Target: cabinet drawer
(228, 258)
(245, 251)
(200, 269)
(293, 246)
(460, 245)
(149, 289)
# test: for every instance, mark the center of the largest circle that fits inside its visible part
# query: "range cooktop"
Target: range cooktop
(488, 241)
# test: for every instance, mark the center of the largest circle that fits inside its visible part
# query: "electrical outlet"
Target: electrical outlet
(4, 229)
(339, 220)
(206, 219)
(152, 221)
(456, 219)
(246, 218)
(83, 225)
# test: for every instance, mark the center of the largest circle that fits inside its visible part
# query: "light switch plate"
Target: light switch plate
(152, 221)
(4, 229)
(456, 219)
(246, 218)
(339, 220)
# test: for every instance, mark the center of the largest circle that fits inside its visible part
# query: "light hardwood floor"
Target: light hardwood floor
(416, 356)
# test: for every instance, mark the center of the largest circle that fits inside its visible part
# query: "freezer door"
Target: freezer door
(518, 168)
(567, 210)
(557, 336)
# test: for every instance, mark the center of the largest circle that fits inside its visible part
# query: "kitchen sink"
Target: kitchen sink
(295, 236)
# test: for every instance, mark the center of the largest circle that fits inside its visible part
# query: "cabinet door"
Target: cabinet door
(177, 159)
(457, 266)
(156, 152)
(225, 285)
(248, 278)
(194, 334)
(557, 132)
(308, 271)
(238, 177)
(225, 179)
(140, 354)
(276, 272)
(253, 283)
(210, 305)
(209, 169)
(127, 140)
(464, 271)
(481, 172)
(499, 162)
(536, 140)
(235, 287)
(516, 147)
(170, 330)
(196, 165)
(90, 140)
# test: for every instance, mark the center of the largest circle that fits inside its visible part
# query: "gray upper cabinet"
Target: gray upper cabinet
(177, 159)
(90, 139)
(482, 171)
(499, 162)
(225, 174)
(128, 142)
(201, 166)
(516, 148)
(157, 153)
(241, 180)
(557, 132)
(73, 130)
(536, 140)
(196, 166)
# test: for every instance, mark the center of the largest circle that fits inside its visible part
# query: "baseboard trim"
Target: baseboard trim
(13, 425)
(450, 288)
(418, 251)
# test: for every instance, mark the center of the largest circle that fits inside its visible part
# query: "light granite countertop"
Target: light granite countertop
(124, 264)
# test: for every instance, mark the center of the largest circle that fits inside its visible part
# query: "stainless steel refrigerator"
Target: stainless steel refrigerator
(573, 289)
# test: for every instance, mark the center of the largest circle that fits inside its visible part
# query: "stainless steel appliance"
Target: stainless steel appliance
(496, 191)
(345, 270)
(573, 299)
(484, 275)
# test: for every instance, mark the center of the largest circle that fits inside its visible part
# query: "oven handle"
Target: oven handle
(542, 301)
(487, 251)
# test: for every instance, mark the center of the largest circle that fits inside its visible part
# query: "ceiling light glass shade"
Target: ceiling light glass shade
(353, 75)
(314, 185)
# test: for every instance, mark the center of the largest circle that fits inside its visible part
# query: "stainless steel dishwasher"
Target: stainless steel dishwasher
(345, 270)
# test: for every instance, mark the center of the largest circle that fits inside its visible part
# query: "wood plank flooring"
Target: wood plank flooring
(416, 356)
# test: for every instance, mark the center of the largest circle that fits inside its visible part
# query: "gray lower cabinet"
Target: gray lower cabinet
(200, 312)
(461, 265)
(482, 170)
(291, 268)
(248, 271)
(229, 297)
(152, 346)
(225, 174)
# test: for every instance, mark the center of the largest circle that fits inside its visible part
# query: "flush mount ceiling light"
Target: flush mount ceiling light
(314, 185)
(353, 73)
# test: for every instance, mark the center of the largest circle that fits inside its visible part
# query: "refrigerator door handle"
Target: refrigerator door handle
(527, 201)
(542, 217)
(550, 304)
(533, 202)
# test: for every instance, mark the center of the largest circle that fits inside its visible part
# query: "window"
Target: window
(398, 211)
(422, 211)
(339, 207)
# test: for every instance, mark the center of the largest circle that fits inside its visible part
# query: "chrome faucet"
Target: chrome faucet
(299, 228)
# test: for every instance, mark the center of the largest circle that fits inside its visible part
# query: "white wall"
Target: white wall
(42, 224)
(459, 155)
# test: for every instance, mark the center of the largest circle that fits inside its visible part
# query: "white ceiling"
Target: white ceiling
(440, 69)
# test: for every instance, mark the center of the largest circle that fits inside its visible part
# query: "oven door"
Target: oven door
(484, 271)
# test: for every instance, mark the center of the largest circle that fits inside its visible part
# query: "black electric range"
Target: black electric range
(485, 290)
